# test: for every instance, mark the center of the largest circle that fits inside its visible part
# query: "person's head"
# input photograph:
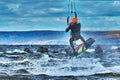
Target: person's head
(74, 20)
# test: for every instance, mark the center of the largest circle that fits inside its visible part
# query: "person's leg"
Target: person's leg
(71, 44)
(86, 45)
(82, 39)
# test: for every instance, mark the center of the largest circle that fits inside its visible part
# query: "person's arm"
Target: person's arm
(75, 14)
(68, 28)
(68, 20)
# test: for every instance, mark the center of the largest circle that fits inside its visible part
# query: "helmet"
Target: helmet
(74, 20)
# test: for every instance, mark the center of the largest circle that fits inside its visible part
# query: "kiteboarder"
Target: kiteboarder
(74, 26)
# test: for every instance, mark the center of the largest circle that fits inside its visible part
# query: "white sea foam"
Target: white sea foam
(114, 69)
(1, 52)
(45, 42)
(114, 47)
(62, 67)
(9, 51)
(90, 50)
(18, 51)
(85, 67)
(15, 51)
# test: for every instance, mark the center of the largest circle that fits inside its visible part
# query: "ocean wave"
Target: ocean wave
(66, 69)
(60, 67)
(32, 64)
(10, 62)
(71, 67)
(114, 47)
(15, 51)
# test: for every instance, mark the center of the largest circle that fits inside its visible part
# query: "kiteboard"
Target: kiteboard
(83, 47)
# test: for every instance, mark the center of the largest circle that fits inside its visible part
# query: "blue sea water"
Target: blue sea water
(55, 37)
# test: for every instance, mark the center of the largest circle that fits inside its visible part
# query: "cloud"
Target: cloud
(13, 7)
(116, 3)
(56, 9)
(109, 19)
(60, 19)
(89, 11)
(39, 12)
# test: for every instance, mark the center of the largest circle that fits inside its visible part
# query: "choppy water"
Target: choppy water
(15, 64)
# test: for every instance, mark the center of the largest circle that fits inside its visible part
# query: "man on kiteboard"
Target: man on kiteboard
(74, 26)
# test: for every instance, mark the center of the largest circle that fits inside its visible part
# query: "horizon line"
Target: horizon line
(55, 30)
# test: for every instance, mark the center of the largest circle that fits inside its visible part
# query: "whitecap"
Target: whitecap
(114, 47)
(1, 52)
(9, 51)
(18, 51)
(90, 50)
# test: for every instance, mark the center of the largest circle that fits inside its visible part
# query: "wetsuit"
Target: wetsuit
(75, 34)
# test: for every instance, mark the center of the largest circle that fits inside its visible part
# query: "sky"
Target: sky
(28, 15)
